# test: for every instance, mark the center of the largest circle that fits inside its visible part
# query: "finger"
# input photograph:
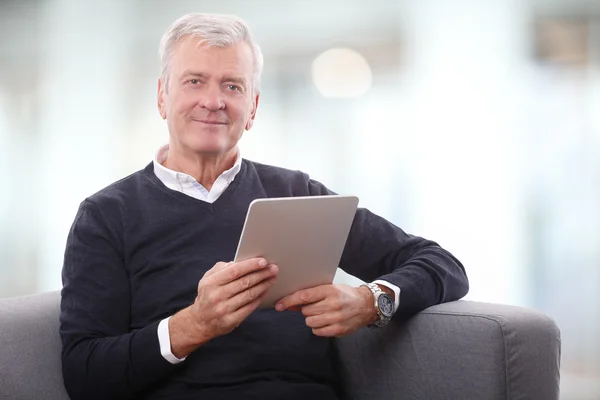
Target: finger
(330, 331)
(249, 280)
(248, 296)
(318, 308)
(323, 320)
(217, 267)
(303, 297)
(236, 270)
(238, 316)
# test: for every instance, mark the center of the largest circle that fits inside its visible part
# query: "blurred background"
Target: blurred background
(473, 123)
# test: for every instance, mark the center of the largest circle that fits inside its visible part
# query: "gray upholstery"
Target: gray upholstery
(460, 350)
(30, 366)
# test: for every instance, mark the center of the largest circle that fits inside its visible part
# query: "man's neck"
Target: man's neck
(204, 168)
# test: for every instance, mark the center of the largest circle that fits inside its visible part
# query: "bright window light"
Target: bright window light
(341, 73)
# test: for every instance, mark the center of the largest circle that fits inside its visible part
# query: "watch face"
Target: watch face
(386, 305)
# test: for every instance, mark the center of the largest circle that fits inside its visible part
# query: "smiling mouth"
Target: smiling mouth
(209, 122)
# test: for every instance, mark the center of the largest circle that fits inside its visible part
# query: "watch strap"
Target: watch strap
(377, 292)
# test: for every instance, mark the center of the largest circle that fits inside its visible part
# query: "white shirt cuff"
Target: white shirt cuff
(164, 339)
(393, 287)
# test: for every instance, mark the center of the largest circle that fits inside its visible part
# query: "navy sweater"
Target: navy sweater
(135, 254)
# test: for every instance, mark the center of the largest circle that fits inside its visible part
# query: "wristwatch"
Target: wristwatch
(384, 305)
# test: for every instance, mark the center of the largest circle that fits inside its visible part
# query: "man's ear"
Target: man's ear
(253, 112)
(161, 99)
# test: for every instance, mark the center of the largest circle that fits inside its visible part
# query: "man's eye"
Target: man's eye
(234, 87)
(194, 81)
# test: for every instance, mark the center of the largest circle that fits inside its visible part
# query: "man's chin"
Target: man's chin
(208, 143)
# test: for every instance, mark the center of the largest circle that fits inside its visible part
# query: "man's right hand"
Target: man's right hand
(227, 294)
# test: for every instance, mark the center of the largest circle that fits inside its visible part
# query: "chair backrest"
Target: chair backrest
(30, 365)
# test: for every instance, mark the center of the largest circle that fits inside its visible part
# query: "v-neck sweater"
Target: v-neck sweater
(135, 254)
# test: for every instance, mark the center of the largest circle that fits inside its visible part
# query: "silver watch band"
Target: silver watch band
(376, 291)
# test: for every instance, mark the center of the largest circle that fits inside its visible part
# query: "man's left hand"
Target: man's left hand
(332, 310)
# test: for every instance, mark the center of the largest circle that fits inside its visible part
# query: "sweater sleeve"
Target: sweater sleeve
(426, 273)
(102, 358)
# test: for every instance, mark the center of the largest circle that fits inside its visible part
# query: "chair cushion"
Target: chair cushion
(30, 362)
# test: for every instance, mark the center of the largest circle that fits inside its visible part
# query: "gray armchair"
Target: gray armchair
(457, 351)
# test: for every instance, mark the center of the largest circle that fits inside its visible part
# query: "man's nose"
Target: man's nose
(212, 98)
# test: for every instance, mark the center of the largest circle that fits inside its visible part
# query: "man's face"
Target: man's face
(209, 100)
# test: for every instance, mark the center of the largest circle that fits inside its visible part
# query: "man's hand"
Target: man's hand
(332, 310)
(227, 294)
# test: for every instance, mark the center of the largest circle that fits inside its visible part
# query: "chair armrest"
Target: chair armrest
(459, 350)
(30, 364)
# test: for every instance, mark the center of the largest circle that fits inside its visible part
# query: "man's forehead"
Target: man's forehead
(190, 51)
(195, 44)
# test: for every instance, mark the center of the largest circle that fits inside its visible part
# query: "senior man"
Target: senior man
(152, 309)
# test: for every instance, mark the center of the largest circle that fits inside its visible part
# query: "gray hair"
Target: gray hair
(211, 30)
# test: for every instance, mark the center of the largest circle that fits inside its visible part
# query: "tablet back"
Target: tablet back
(304, 236)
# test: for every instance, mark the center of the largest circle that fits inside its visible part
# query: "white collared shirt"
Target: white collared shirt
(186, 184)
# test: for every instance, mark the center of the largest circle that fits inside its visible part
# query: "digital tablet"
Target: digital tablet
(303, 236)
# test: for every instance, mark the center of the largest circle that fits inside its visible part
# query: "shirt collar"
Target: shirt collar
(175, 180)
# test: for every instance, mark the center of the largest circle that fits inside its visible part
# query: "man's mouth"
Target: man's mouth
(210, 121)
